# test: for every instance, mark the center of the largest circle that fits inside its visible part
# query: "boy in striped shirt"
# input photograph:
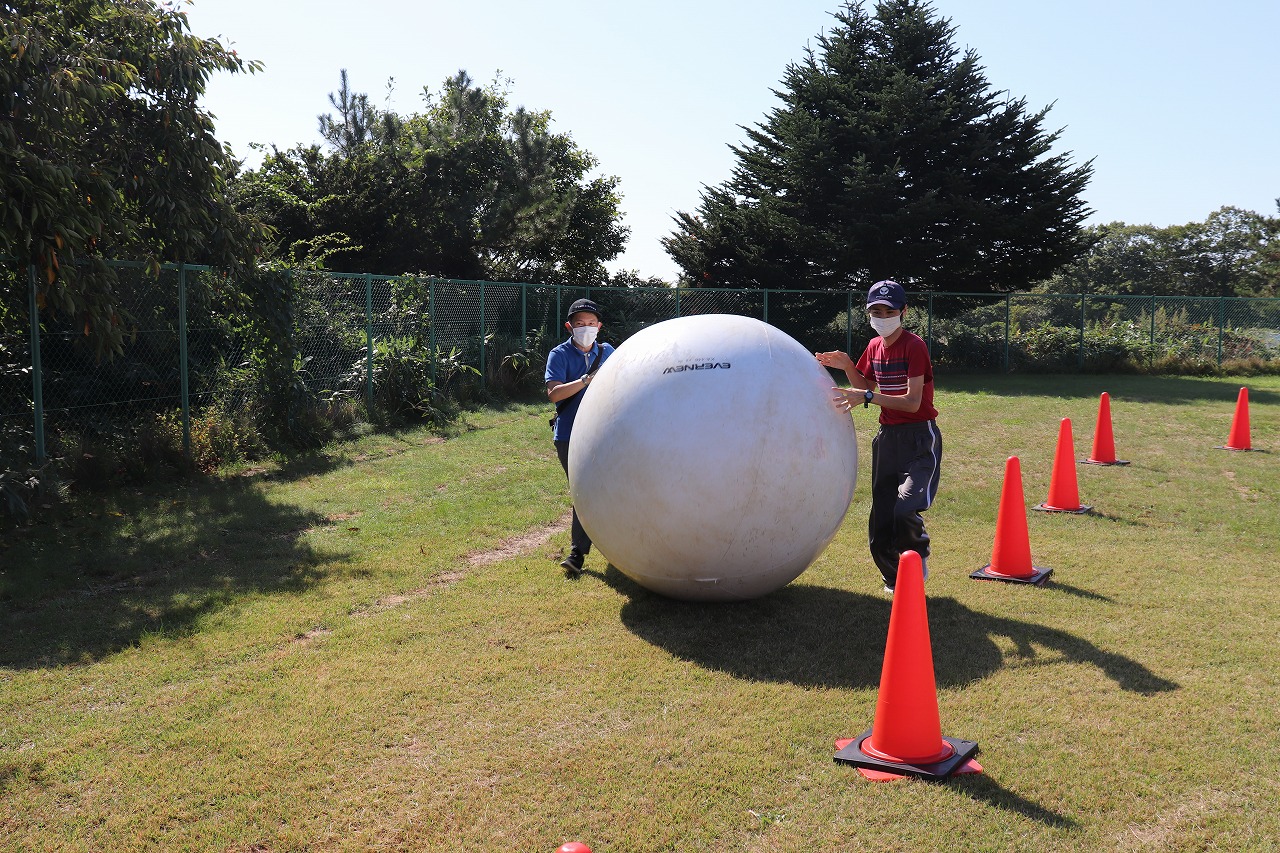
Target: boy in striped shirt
(895, 373)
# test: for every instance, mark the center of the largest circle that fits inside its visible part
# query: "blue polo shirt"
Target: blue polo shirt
(567, 363)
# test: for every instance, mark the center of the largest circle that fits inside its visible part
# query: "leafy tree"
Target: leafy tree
(1269, 262)
(105, 151)
(466, 189)
(1228, 254)
(1233, 252)
(632, 279)
(889, 156)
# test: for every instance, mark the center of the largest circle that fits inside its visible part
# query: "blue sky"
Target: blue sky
(1176, 102)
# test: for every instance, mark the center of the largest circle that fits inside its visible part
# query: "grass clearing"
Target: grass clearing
(374, 649)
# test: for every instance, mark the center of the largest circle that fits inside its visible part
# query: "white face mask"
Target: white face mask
(885, 326)
(585, 336)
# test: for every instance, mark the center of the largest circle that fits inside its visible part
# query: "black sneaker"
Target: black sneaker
(572, 564)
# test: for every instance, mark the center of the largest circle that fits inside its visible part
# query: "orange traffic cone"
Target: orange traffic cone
(1011, 554)
(1104, 445)
(1239, 438)
(1064, 494)
(906, 738)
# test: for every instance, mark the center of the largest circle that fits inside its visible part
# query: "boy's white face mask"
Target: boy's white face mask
(885, 326)
(585, 336)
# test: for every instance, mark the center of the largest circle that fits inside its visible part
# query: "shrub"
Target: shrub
(220, 437)
(22, 483)
(1116, 347)
(404, 388)
(960, 345)
(520, 371)
(1044, 348)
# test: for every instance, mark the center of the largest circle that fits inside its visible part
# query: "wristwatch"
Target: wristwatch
(585, 379)
(866, 397)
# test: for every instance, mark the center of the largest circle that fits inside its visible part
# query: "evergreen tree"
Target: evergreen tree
(890, 156)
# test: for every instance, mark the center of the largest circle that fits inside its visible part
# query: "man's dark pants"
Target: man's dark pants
(581, 541)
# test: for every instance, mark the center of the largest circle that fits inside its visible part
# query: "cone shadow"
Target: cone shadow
(1078, 592)
(825, 637)
(983, 787)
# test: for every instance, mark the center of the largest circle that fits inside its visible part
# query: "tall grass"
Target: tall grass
(372, 648)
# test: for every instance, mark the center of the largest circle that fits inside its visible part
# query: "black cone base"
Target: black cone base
(1046, 508)
(1037, 577)
(853, 754)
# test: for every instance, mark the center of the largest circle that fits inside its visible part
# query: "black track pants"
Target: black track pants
(906, 461)
(581, 541)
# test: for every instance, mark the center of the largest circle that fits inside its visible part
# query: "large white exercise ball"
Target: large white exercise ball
(707, 460)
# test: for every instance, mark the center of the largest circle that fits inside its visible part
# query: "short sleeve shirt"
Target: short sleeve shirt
(566, 363)
(890, 367)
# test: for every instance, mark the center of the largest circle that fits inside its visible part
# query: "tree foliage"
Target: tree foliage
(1233, 252)
(468, 188)
(889, 156)
(105, 151)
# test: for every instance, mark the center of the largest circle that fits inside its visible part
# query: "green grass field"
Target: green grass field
(373, 648)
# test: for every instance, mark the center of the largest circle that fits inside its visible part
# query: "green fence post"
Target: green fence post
(37, 392)
(1008, 324)
(766, 305)
(368, 337)
(431, 324)
(484, 379)
(677, 299)
(928, 325)
(848, 322)
(1152, 356)
(1222, 323)
(183, 380)
(524, 311)
(1083, 299)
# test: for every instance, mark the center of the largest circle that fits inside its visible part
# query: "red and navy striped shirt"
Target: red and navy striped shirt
(889, 367)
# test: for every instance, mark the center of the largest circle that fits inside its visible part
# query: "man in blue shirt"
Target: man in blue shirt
(570, 367)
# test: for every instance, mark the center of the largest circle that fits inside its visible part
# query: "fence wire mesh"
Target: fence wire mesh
(377, 341)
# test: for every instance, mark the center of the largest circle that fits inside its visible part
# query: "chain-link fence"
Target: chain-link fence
(382, 344)
(1100, 333)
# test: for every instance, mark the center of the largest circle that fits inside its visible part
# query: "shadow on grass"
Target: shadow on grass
(833, 638)
(1118, 519)
(1078, 592)
(983, 787)
(133, 565)
(14, 774)
(817, 636)
(1135, 388)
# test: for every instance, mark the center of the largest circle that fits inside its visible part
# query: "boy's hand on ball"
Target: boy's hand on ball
(835, 358)
(843, 401)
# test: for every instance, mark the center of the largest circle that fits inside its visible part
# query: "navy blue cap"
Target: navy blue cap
(584, 305)
(887, 293)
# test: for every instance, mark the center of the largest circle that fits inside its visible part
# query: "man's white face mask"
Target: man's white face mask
(585, 336)
(885, 326)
